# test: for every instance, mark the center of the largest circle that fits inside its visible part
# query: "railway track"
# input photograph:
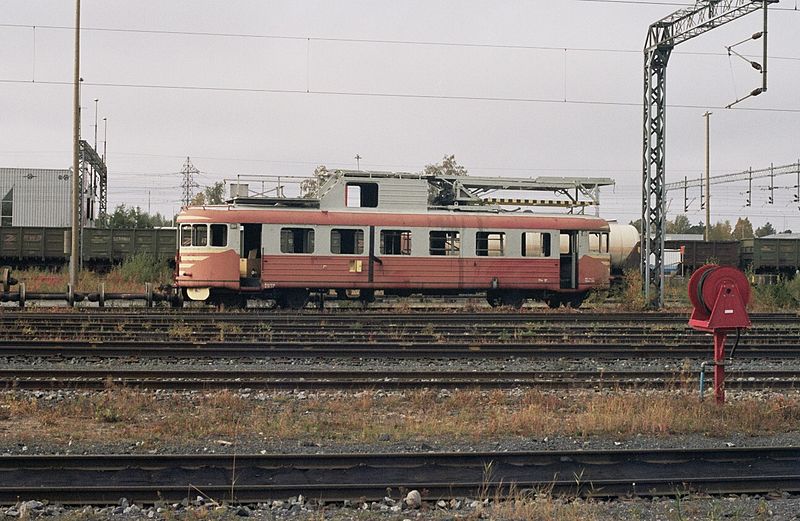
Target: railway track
(376, 335)
(600, 349)
(103, 479)
(204, 379)
(154, 315)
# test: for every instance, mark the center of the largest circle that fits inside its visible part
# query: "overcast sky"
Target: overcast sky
(512, 88)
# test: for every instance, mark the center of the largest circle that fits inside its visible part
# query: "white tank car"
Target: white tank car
(623, 245)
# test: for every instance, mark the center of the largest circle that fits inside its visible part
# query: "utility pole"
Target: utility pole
(105, 137)
(358, 162)
(95, 124)
(76, 136)
(708, 176)
(188, 184)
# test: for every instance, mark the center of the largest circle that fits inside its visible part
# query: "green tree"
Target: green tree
(214, 194)
(697, 229)
(681, 224)
(441, 193)
(131, 217)
(763, 231)
(720, 231)
(309, 188)
(448, 166)
(743, 229)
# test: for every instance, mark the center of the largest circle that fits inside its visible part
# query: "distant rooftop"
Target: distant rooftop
(783, 236)
(687, 237)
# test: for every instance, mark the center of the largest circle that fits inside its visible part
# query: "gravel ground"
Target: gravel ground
(384, 364)
(382, 444)
(773, 507)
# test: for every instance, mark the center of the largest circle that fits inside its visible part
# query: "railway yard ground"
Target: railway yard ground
(344, 415)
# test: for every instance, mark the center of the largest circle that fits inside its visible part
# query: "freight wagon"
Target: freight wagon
(778, 253)
(26, 246)
(699, 253)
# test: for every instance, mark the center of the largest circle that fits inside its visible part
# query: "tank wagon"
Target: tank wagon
(389, 232)
(24, 246)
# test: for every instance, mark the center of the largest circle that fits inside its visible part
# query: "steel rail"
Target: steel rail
(388, 335)
(146, 478)
(192, 379)
(396, 349)
(366, 316)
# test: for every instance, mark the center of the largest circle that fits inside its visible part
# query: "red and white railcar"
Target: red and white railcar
(248, 249)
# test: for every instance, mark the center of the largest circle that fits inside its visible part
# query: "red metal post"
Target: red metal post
(719, 366)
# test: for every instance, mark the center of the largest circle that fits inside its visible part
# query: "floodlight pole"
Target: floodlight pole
(76, 136)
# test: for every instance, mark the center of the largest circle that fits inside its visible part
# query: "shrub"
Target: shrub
(144, 267)
(632, 297)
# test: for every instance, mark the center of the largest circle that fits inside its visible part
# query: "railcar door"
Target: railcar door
(568, 260)
(250, 252)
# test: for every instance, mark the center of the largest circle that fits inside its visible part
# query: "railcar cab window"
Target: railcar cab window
(445, 243)
(219, 235)
(200, 235)
(535, 244)
(361, 195)
(396, 242)
(195, 234)
(350, 242)
(297, 240)
(598, 242)
(490, 244)
(186, 235)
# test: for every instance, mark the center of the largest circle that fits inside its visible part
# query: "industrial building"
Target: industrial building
(40, 197)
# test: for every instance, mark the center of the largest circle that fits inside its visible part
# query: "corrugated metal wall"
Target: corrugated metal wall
(41, 197)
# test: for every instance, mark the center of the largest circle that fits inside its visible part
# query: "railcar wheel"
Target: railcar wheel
(514, 299)
(223, 302)
(494, 298)
(553, 302)
(293, 299)
(366, 296)
(576, 300)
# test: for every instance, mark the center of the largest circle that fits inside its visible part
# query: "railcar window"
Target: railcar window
(361, 195)
(219, 235)
(186, 235)
(200, 237)
(598, 242)
(535, 244)
(565, 245)
(490, 244)
(396, 242)
(350, 242)
(445, 243)
(297, 240)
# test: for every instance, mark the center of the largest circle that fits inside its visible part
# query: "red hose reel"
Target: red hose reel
(719, 295)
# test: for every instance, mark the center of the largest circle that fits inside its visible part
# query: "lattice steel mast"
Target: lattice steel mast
(188, 185)
(662, 37)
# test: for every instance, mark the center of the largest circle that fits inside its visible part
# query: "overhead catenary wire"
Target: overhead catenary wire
(507, 99)
(333, 39)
